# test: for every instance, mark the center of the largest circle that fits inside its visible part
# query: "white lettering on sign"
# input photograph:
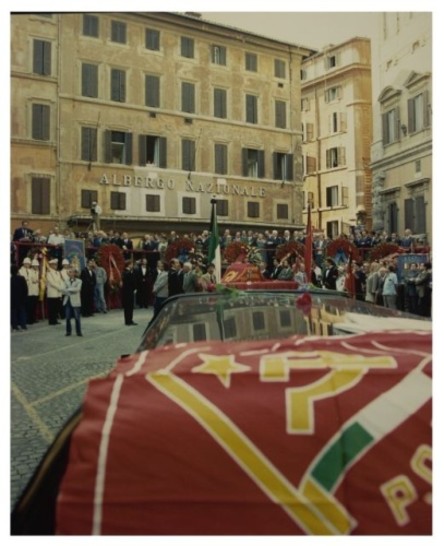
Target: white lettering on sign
(220, 186)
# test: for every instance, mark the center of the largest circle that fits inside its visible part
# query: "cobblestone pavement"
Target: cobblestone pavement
(49, 375)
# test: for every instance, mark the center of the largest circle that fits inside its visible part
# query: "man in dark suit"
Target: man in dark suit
(88, 278)
(22, 234)
(330, 274)
(175, 278)
(128, 286)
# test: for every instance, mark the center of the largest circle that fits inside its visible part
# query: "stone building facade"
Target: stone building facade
(151, 115)
(337, 135)
(402, 145)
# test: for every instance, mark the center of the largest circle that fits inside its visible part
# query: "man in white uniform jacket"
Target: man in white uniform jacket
(72, 301)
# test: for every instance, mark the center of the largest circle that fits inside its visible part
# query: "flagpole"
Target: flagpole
(308, 255)
(214, 246)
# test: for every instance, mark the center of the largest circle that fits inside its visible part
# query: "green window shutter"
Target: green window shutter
(118, 85)
(188, 103)
(40, 122)
(152, 39)
(261, 164)
(89, 144)
(162, 152)
(220, 103)
(152, 91)
(142, 150)
(90, 80)
(107, 146)
(411, 115)
(290, 161)
(244, 161)
(128, 148)
(40, 195)
(220, 153)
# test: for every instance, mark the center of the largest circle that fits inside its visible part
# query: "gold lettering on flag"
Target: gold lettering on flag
(260, 469)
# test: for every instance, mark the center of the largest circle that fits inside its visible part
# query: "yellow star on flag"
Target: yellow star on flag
(221, 366)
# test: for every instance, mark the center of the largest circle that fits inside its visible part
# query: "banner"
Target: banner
(322, 436)
(74, 251)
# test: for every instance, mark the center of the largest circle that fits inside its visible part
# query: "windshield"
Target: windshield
(255, 315)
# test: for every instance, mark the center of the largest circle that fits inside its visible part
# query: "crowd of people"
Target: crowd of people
(149, 278)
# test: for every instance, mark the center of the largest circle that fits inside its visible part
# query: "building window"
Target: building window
(390, 126)
(251, 109)
(230, 328)
(152, 91)
(392, 217)
(188, 97)
(189, 205)
(40, 195)
(222, 207)
(153, 150)
(414, 214)
(90, 80)
(118, 32)
(417, 166)
(118, 85)
(87, 198)
(308, 132)
(220, 103)
(219, 55)
(89, 144)
(285, 318)
(282, 166)
(220, 158)
(42, 58)
(280, 110)
(418, 118)
(40, 121)
(309, 164)
(118, 147)
(331, 61)
(90, 25)
(188, 155)
(332, 229)
(187, 47)
(335, 157)
(251, 62)
(152, 203)
(152, 39)
(282, 211)
(279, 68)
(253, 209)
(305, 105)
(332, 196)
(333, 93)
(258, 320)
(118, 200)
(199, 331)
(253, 163)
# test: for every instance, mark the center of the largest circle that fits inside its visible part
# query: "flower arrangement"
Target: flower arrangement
(383, 250)
(236, 251)
(292, 247)
(343, 246)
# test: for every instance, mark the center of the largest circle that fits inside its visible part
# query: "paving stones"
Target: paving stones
(49, 375)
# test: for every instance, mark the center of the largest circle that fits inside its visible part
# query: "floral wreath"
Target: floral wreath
(382, 250)
(178, 247)
(292, 247)
(344, 246)
(110, 257)
(235, 250)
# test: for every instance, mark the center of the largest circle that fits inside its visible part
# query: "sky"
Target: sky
(311, 29)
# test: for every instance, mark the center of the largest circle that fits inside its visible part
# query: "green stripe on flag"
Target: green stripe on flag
(349, 444)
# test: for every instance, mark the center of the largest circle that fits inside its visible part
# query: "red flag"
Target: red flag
(350, 284)
(308, 247)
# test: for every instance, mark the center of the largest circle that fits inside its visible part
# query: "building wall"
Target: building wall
(342, 122)
(60, 159)
(402, 165)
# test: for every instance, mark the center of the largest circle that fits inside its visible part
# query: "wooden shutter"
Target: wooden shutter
(89, 80)
(244, 161)
(251, 106)
(276, 170)
(118, 85)
(289, 169)
(40, 122)
(280, 113)
(309, 129)
(152, 91)
(220, 152)
(40, 196)
(341, 155)
(89, 144)
(162, 152)
(409, 219)
(152, 39)
(88, 197)
(128, 148)
(411, 115)
(107, 146)
(220, 103)
(420, 216)
(426, 115)
(188, 97)
(260, 164)
(142, 150)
